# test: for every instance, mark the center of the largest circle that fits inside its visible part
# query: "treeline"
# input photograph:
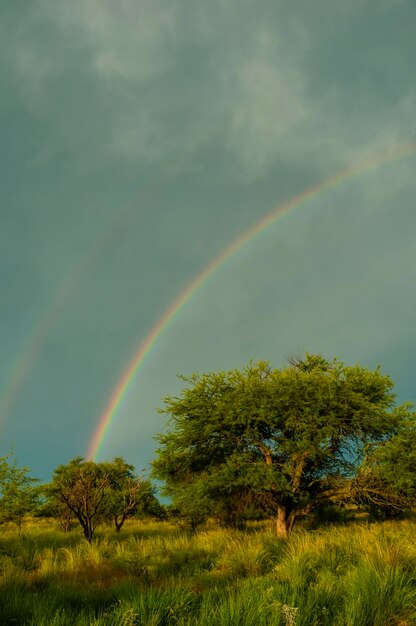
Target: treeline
(257, 442)
(81, 491)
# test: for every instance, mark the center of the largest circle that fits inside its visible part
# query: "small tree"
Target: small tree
(18, 494)
(82, 487)
(127, 493)
(293, 438)
(95, 492)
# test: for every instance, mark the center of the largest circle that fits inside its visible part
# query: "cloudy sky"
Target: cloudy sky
(139, 138)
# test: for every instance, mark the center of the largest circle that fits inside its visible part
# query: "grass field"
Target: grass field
(155, 573)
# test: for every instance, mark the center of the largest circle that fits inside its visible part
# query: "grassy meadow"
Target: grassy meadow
(155, 573)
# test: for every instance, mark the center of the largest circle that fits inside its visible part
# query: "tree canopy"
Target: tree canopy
(388, 473)
(95, 492)
(81, 487)
(18, 494)
(291, 439)
(127, 493)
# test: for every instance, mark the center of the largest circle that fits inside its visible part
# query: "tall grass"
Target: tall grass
(156, 574)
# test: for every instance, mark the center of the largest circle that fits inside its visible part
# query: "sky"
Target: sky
(139, 140)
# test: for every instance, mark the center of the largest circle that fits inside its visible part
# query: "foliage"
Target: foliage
(18, 494)
(389, 471)
(52, 507)
(81, 486)
(95, 492)
(126, 493)
(292, 439)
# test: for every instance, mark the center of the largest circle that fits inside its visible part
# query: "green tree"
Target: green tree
(18, 494)
(82, 488)
(127, 493)
(387, 478)
(293, 439)
(97, 492)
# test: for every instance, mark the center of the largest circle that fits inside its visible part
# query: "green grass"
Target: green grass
(155, 574)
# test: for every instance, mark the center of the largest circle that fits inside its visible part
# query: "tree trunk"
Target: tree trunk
(282, 529)
(88, 531)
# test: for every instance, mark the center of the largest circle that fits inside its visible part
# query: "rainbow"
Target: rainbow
(185, 296)
(30, 347)
(26, 356)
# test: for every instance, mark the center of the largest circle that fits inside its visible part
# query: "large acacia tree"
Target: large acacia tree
(292, 439)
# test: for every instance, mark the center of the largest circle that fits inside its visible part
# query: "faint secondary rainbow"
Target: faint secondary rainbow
(25, 357)
(261, 225)
(33, 341)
